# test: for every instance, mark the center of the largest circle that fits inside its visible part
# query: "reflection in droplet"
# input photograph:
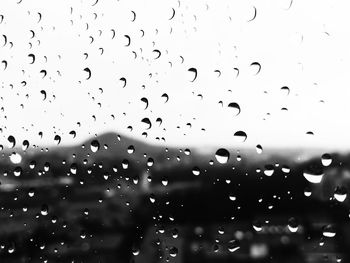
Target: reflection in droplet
(222, 155)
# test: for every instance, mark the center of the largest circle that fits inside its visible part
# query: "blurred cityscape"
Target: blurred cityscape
(115, 199)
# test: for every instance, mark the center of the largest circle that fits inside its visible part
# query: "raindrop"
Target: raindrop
(233, 246)
(240, 136)
(131, 149)
(173, 251)
(57, 139)
(165, 97)
(328, 231)
(15, 158)
(222, 155)
(44, 210)
(285, 90)
(269, 170)
(145, 101)
(150, 162)
(326, 159)
(12, 141)
(314, 177)
(235, 108)
(254, 15)
(172, 14)
(340, 193)
(257, 226)
(88, 71)
(193, 72)
(123, 82)
(147, 123)
(259, 149)
(196, 171)
(95, 146)
(157, 53)
(293, 225)
(73, 133)
(25, 145)
(256, 66)
(43, 92)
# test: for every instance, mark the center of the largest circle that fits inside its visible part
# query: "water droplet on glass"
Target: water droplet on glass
(326, 159)
(196, 171)
(95, 146)
(293, 225)
(259, 149)
(192, 74)
(15, 158)
(235, 108)
(222, 155)
(233, 246)
(147, 123)
(240, 136)
(57, 139)
(314, 178)
(328, 231)
(340, 193)
(173, 251)
(12, 141)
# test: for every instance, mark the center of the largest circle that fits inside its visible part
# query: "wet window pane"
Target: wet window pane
(174, 131)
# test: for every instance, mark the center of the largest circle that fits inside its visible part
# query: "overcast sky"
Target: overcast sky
(303, 45)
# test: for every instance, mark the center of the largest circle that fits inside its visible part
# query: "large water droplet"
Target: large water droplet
(222, 155)
(314, 178)
(15, 158)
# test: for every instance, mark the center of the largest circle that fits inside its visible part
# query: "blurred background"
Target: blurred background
(174, 131)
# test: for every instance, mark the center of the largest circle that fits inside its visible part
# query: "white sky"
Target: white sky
(305, 47)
